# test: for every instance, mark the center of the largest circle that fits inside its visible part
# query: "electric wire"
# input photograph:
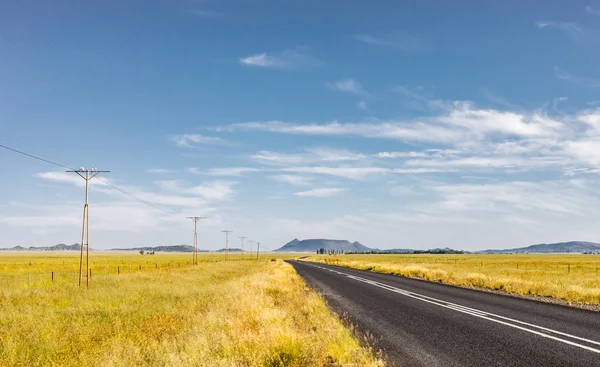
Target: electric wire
(99, 179)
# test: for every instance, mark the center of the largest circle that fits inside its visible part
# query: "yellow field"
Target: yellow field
(574, 278)
(169, 313)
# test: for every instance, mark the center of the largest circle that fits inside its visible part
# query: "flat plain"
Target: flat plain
(161, 310)
(567, 277)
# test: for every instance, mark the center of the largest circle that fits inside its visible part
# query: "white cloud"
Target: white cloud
(347, 86)
(286, 59)
(363, 106)
(69, 177)
(214, 190)
(353, 173)
(458, 121)
(311, 156)
(321, 193)
(576, 79)
(190, 140)
(227, 171)
(401, 154)
(398, 41)
(587, 151)
(591, 10)
(293, 179)
(572, 29)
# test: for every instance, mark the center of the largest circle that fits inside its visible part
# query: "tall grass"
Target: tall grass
(219, 313)
(573, 278)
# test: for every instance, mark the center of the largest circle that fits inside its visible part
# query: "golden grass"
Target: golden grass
(574, 278)
(219, 313)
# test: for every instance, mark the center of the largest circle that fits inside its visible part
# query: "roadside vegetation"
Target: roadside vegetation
(218, 313)
(573, 278)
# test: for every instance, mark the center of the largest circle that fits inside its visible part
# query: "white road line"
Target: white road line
(475, 312)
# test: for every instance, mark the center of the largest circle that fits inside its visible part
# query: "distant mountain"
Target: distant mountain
(230, 250)
(550, 248)
(175, 248)
(313, 245)
(59, 247)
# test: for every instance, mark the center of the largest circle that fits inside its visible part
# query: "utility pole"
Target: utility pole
(195, 219)
(227, 232)
(87, 175)
(257, 249)
(243, 245)
(250, 251)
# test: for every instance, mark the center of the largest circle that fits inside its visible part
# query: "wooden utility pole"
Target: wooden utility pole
(195, 255)
(87, 175)
(227, 232)
(243, 245)
(257, 249)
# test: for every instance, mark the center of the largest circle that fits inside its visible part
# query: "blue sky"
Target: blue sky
(396, 124)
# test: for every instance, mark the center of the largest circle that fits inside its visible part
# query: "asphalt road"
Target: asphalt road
(417, 323)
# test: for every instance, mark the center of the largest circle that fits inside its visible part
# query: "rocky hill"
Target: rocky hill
(59, 247)
(312, 245)
(550, 248)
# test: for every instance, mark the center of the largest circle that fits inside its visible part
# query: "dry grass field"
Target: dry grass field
(166, 312)
(574, 278)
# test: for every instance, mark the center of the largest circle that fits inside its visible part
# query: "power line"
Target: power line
(99, 179)
(36, 157)
(139, 199)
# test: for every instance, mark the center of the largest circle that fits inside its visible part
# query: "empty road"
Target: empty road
(417, 323)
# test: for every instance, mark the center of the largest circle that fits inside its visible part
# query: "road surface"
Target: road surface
(418, 323)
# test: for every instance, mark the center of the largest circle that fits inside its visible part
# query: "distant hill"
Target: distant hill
(550, 248)
(59, 247)
(312, 245)
(231, 250)
(174, 248)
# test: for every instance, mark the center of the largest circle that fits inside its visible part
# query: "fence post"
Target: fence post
(569, 268)
(52, 277)
(90, 275)
(118, 270)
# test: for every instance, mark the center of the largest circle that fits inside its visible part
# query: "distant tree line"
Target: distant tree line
(322, 251)
(436, 251)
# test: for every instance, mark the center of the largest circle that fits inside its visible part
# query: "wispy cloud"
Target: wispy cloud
(313, 155)
(66, 177)
(159, 170)
(397, 41)
(576, 79)
(457, 121)
(228, 171)
(191, 140)
(363, 106)
(321, 193)
(293, 179)
(591, 10)
(571, 29)
(296, 58)
(347, 86)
